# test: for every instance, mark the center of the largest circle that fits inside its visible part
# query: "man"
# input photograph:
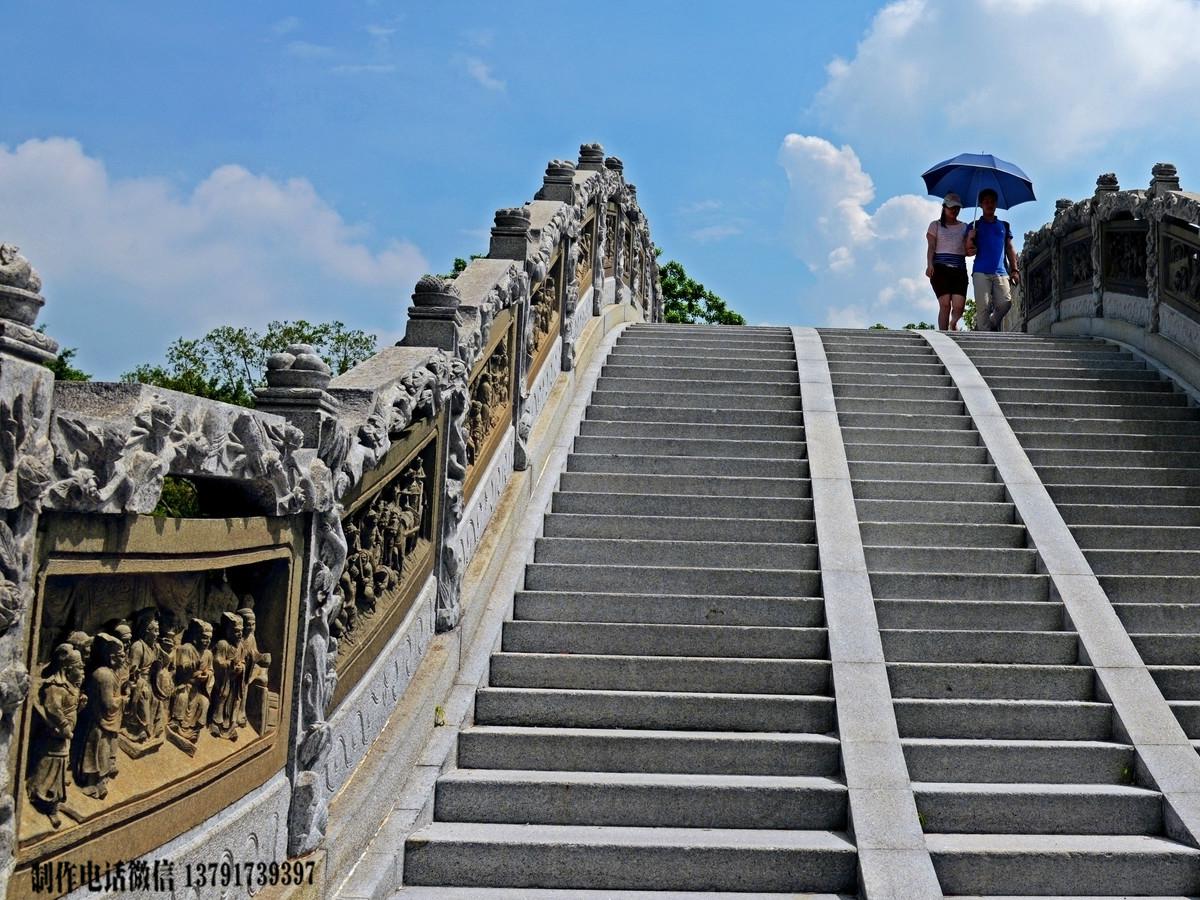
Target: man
(990, 240)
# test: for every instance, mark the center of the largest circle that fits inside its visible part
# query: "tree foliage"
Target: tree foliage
(228, 363)
(460, 264)
(686, 301)
(64, 369)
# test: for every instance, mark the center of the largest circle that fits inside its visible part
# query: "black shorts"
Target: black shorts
(949, 280)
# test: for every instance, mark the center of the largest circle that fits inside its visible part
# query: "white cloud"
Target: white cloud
(1052, 78)
(129, 264)
(363, 69)
(482, 73)
(711, 233)
(380, 32)
(284, 26)
(872, 263)
(307, 50)
(698, 207)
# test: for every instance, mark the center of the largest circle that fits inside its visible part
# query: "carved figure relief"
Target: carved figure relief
(610, 240)
(1076, 267)
(1125, 258)
(636, 274)
(101, 468)
(543, 316)
(385, 538)
(146, 679)
(1181, 268)
(1039, 285)
(491, 398)
(583, 261)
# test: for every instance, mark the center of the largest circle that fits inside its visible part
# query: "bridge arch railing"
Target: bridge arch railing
(1121, 264)
(249, 658)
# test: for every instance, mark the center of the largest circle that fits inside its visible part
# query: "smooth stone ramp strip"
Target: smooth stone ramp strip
(1167, 758)
(893, 860)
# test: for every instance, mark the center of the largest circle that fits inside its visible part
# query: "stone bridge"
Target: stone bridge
(554, 600)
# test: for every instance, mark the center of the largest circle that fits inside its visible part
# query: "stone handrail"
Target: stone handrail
(1122, 265)
(341, 516)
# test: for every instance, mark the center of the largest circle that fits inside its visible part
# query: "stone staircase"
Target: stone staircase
(1020, 780)
(1117, 447)
(660, 720)
(658, 716)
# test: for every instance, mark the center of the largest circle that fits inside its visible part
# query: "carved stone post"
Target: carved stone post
(510, 240)
(1164, 178)
(591, 158)
(614, 164)
(296, 382)
(1105, 184)
(1060, 206)
(434, 320)
(26, 395)
(559, 181)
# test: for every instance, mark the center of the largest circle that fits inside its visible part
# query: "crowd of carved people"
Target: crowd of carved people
(380, 536)
(490, 396)
(132, 686)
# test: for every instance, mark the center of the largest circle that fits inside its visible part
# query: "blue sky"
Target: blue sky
(172, 167)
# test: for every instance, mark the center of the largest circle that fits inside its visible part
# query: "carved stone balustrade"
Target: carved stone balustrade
(187, 687)
(1122, 264)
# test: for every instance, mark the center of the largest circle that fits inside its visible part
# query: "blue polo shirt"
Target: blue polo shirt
(990, 240)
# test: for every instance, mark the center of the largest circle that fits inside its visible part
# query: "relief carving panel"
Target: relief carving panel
(545, 315)
(1075, 266)
(389, 555)
(158, 682)
(1124, 257)
(1180, 271)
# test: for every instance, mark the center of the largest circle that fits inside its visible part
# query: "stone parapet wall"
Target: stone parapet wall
(1121, 264)
(171, 688)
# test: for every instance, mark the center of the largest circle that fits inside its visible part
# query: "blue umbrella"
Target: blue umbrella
(969, 173)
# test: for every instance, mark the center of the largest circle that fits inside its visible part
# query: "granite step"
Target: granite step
(692, 528)
(1108, 865)
(607, 858)
(669, 609)
(642, 639)
(674, 673)
(652, 709)
(648, 750)
(641, 799)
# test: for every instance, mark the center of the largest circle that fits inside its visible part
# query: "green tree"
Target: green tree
(228, 363)
(687, 301)
(62, 366)
(968, 316)
(460, 264)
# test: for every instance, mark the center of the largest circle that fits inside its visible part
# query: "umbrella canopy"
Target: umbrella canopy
(969, 173)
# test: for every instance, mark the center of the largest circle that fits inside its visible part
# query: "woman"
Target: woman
(946, 262)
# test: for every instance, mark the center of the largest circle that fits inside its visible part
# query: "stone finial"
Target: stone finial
(1062, 203)
(435, 292)
(1164, 177)
(1107, 182)
(298, 366)
(15, 270)
(19, 287)
(20, 304)
(614, 164)
(591, 157)
(632, 191)
(512, 220)
(559, 181)
(510, 234)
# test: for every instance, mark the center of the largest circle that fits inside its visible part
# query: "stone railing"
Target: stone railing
(1122, 265)
(199, 689)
